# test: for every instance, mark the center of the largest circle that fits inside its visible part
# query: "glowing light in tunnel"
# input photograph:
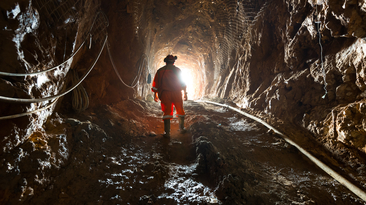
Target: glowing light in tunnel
(188, 78)
(190, 73)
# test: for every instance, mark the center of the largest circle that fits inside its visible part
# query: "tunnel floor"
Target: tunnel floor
(117, 155)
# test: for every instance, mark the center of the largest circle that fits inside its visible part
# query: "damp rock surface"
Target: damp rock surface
(108, 156)
(301, 62)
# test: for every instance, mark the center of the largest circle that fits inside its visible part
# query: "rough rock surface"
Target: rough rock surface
(115, 156)
(299, 62)
(292, 45)
(36, 39)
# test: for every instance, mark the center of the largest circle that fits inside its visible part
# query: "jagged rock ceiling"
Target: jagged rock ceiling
(299, 61)
(206, 35)
(270, 60)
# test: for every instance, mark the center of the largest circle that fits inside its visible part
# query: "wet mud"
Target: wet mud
(116, 155)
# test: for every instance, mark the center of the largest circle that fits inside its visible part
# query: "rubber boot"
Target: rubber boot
(167, 128)
(182, 130)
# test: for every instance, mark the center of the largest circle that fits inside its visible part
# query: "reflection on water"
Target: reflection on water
(241, 125)
(251, 167)
(133, 170)
(184, 187)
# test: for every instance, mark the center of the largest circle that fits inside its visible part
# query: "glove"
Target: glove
(156, 98)
(185, 98)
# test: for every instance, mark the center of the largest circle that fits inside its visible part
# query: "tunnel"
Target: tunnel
(276, 109)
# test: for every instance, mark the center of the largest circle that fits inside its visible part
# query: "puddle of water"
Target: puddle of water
(186, 189)
(133, 170)
(242, 125)
(219, 110)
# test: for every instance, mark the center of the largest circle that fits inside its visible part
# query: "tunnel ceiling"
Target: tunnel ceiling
(265, 55)
(195, 27)
(203, 32)
(299, 63)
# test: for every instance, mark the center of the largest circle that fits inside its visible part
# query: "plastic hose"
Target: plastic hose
(44, 71)
(119, 76)
(28, 113)
(357, 191)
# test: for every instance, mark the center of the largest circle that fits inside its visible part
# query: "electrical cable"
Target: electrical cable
(23, 100)
(357, 191)
(80, 98)
(317, 23)
(44, 71)
(55, 67)
(119, 76)
(28, 113)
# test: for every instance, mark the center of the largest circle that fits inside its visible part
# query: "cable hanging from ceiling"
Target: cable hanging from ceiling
(28, 113)
(318, 23)
(135, 81)
(80, 98)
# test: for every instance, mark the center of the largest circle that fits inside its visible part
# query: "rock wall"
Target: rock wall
(37, 36)
(301, 61)
(291, 45)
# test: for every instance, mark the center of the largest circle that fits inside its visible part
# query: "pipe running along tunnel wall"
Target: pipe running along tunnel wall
(356, 190)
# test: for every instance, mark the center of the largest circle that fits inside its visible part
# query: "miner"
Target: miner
(168, 86)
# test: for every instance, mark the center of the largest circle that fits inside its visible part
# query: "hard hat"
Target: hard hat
(170, 59)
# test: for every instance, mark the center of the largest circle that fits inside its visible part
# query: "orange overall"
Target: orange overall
(168, 84)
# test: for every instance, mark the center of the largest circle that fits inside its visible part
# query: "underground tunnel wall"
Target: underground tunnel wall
(286, 70)
(37, 36)
(301, 62)
(263, 55)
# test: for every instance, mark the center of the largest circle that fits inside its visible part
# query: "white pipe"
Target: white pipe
(27, 113)
(360, 193)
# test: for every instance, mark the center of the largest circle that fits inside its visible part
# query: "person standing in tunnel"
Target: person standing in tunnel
(167, 86)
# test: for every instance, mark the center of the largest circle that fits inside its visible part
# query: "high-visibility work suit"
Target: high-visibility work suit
(169, 85)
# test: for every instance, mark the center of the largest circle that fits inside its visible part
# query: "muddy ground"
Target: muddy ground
(116, 155)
